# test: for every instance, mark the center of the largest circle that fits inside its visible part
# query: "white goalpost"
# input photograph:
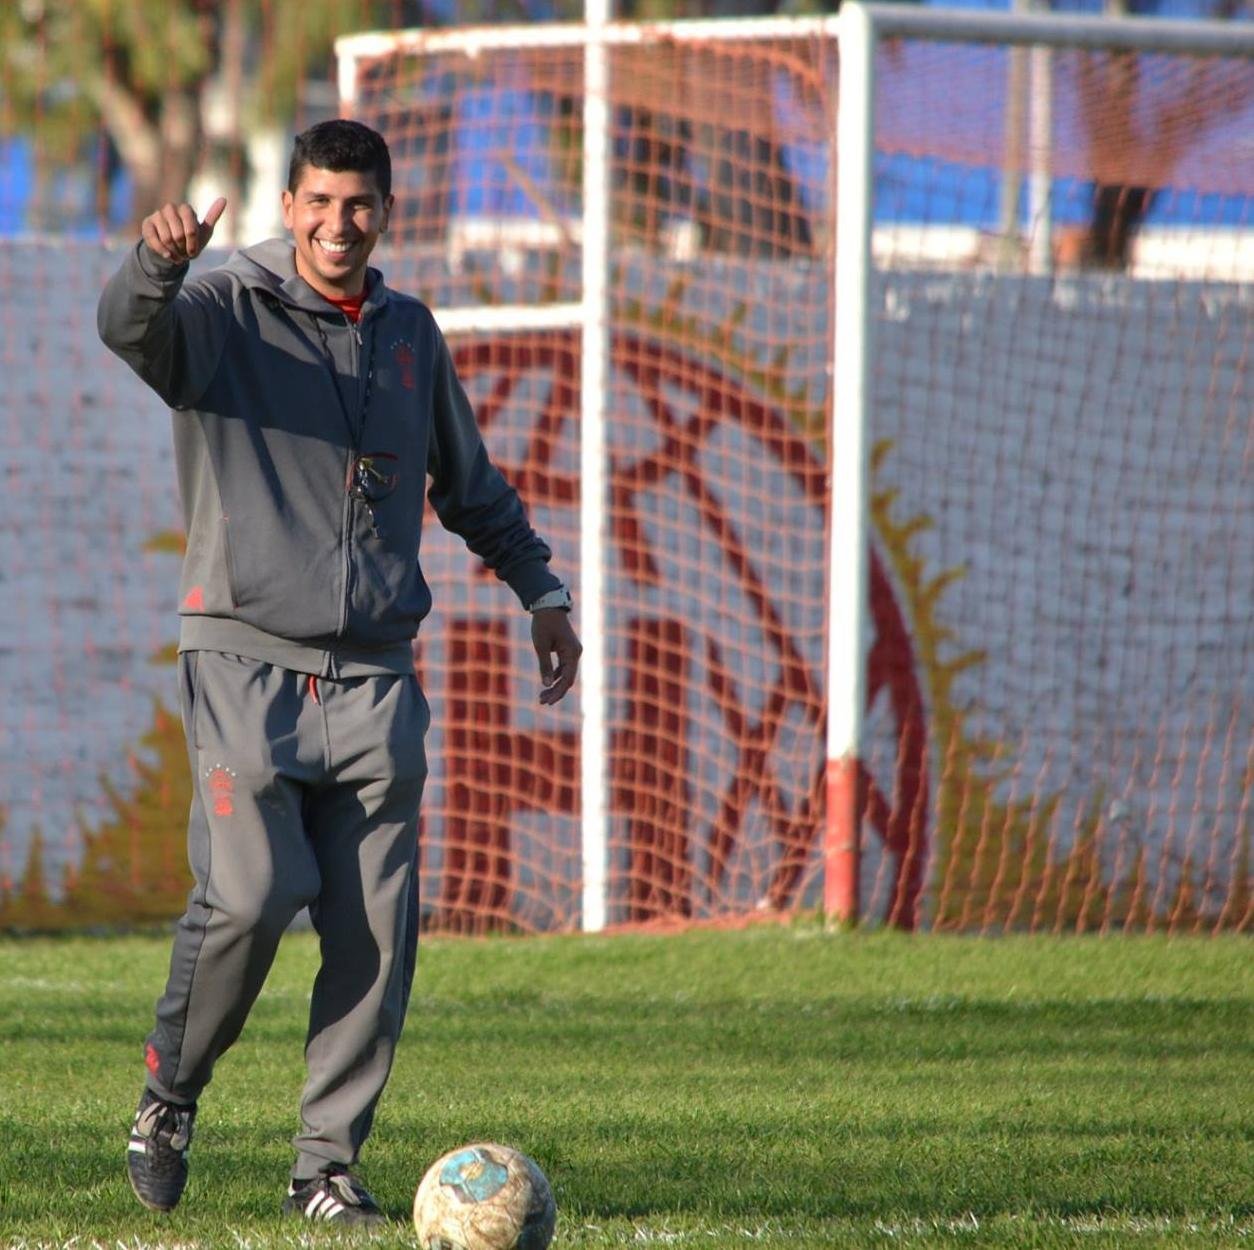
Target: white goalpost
(593, 383)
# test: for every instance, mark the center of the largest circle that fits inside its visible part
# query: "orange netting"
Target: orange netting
(1060, 728)
(1046, 470)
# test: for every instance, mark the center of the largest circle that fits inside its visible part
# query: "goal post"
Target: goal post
(593, 378)
(848, 608)
(859, 489)
(860, 30)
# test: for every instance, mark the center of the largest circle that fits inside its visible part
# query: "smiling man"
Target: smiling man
(312, 405)
(336, 218)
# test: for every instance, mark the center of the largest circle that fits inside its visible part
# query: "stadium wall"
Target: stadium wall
(1064, 532)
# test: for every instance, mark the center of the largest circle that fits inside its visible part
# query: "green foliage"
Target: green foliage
(137, 68)
(778, 1087)
(57, 54)
(296, 40)
(162, 45)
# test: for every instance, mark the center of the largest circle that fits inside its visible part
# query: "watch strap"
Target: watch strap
(557, 598)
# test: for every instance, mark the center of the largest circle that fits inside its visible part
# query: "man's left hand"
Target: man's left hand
(552, 635)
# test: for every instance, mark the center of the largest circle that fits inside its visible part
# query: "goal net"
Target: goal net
(1058, 722)
(1022, 429)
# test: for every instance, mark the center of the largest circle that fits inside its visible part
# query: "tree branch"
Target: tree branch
(135, 137)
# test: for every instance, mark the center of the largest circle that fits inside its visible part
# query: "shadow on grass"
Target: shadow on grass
(841, 1030)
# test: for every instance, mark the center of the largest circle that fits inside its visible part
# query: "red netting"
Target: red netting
(1064, 482)
(1059, 730)
(1045, 465)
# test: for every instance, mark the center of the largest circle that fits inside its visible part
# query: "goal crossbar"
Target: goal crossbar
(1053, 30)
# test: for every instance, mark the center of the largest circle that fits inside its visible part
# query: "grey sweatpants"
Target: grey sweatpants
(305, 793)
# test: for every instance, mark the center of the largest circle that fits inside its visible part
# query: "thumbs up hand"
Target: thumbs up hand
(175, 233)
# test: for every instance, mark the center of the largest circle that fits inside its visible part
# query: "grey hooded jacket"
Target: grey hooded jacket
(303, 445)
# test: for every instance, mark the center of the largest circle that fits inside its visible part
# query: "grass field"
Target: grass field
(773, 1087)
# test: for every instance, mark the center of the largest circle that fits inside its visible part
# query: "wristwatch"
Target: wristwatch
(558, 598)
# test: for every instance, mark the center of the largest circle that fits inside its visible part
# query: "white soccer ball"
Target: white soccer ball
(484, 1197)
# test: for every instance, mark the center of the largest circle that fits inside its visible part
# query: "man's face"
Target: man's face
(336, 218)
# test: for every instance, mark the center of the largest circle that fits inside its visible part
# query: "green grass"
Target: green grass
(768, 1088)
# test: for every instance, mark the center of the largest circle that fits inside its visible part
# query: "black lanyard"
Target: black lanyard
(354, 435)
(362, 474)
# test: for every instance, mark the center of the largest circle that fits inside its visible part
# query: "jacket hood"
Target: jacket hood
(271, 266)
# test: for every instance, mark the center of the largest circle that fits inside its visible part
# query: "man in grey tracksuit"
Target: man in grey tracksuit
(311, 405)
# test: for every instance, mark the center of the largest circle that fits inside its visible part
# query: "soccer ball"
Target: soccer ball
(484, 1197)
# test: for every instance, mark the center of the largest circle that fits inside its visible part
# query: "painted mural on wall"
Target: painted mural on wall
(1059, 720)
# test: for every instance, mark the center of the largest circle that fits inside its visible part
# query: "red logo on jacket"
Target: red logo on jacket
(406, 361)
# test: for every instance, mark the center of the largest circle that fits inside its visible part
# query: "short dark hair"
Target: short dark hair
(338, 145)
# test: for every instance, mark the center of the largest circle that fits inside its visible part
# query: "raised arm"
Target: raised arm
(171, 335)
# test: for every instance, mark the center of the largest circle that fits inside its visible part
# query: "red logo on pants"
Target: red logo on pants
(220, 783)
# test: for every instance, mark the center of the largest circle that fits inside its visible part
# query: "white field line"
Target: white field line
(46, 985)
(297, 1239)
(638, 1233)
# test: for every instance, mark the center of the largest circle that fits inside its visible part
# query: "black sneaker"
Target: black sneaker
(156, 1157)
(333, 1197)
